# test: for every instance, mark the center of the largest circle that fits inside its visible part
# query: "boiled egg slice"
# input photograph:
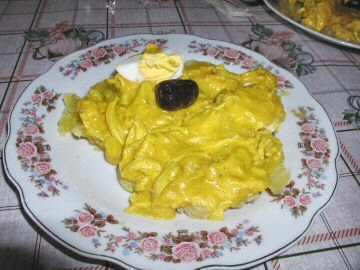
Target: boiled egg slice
(156, 67)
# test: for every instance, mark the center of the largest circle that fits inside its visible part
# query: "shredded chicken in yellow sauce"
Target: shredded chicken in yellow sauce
(329, 17)
(202, 160)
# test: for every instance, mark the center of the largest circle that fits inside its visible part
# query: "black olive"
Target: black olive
(176, 94)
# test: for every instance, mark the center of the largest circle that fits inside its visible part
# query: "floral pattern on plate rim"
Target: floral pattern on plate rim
(185, 247)
(105, 54)
(32, 148)
(231, 56)
(316, 153)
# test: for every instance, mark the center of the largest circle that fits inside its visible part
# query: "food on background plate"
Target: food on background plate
(215, 153)
(330, 17)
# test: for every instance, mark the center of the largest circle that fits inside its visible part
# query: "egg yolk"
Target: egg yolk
(216, 154)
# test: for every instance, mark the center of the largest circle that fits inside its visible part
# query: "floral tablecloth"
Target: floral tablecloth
(34, 34)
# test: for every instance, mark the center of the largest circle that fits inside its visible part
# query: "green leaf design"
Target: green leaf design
(73, 33)
(352, 117)
(39, 35)
(304, 69)
(261, 30)
(43, 32)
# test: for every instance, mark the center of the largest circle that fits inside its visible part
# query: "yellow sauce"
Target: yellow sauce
(327, 16)
(204, 159)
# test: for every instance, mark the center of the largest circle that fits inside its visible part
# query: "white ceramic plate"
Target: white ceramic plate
(69, 190)
(274, 4)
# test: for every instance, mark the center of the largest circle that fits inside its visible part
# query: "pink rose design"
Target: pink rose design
(161, 256)
(51, 188)
(85, 63)
(311, 181)
(119, 49)
(234, 231)
(149, 244)
(320, 145)
(217, 238)
(206, 252)
(186, 252)
(289, 201)
(38, 119)
(304, 199)
(248, 62)
(88, 231)
(98, 52)
(57, 32)
(56, 36)
(314, 163)
(283, 35)
(42, 167)
(308, 128)
(36, 98)
(280, 81)
(52, 179)
(111, 247)
(232, 53)
(167, 241)
(212, 52)
(131, 235)
(273, 52)
(85, 217)
(26, 149)
(118, 239)
(249, 232)
(31, 129)
(26, 161)
(48, 95)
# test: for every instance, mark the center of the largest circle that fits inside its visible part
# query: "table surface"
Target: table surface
(331, 73)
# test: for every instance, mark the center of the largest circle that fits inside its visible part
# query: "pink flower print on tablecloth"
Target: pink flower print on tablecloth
(58, 31)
